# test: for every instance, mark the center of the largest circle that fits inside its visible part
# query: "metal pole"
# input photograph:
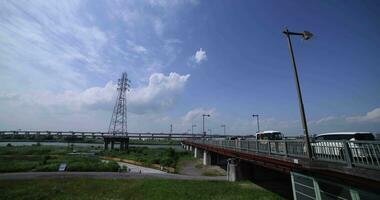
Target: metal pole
(192, 128)
(203, 127)
(257, 120)
(258, 124)
(301, 107)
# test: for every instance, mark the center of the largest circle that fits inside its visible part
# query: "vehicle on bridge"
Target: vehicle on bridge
(333, 145)
(269, 135)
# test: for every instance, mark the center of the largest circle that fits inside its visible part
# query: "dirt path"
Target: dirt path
(101, 175)
(195, 168)
(188, 168)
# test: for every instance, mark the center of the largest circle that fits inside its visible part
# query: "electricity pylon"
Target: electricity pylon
(118, 124)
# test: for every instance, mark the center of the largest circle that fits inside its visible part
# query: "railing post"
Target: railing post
(285, 148)
(347, 153)
(257, 146)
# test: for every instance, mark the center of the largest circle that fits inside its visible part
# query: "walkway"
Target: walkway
(101, 175)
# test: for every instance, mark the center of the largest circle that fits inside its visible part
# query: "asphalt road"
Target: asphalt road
(102, 175)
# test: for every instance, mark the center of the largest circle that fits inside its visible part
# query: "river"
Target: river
(174, 146)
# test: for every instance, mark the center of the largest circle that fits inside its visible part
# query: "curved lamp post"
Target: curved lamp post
(306, 36)
(203, 122)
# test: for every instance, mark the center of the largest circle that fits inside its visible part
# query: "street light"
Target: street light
(224, 129)
(306, 36)
(203, 129)
(258, 123)
(192, 128)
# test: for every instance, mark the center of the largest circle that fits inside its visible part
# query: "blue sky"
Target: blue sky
(59, 62)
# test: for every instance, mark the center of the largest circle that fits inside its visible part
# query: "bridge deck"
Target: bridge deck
(358, 176)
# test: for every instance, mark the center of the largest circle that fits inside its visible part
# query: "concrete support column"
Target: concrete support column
(106, 145)
(197, 152)
(206, 158)
(191, 148)
(232, 170)
(112, 144)
(122, 144)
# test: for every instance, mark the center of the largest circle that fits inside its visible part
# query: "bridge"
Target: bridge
(338, 169)
(100, 134)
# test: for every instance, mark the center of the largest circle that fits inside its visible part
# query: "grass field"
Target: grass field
(48, 158)
(163, 156)
(130, 189)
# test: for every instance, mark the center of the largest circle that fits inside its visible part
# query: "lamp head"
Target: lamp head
(307, 35)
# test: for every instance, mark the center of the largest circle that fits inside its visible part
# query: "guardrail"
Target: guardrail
(352, 153)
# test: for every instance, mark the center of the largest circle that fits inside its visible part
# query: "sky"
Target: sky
(60, 62)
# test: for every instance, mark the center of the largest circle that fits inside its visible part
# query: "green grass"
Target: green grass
(212, 173)
(129, 189)
(158, 142)
(185, 156)
(167, 157)
(48, 158)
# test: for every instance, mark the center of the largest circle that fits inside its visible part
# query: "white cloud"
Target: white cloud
(324, 120)
(159, 95)
(136, 48)
(171, 3)
(196, 113)
(199, 57)
(158, 26)
(46, 40)
(372, 116)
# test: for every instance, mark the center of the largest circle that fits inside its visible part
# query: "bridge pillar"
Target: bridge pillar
(197, 152)
(112, 144)
(232, 170)
(191, 148)
(206, 158)
(105, 145)
(121, 146)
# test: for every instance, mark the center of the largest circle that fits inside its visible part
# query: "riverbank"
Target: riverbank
(84, 158)
(88, 188)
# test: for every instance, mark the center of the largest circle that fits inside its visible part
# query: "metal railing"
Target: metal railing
(352, 153)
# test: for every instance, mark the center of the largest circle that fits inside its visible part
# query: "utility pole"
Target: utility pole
(258, 122)
(192, 128)
(224, 129)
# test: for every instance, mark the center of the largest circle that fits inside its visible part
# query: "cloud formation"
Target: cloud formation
(199, 57)
(196, 113)
(160, 94)
(372, 116)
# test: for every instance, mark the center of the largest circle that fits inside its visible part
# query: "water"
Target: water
(3, 144)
